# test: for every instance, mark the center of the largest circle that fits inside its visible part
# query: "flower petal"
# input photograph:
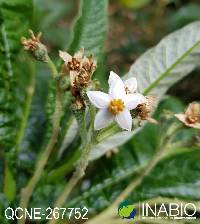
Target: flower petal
(103, 118)
(72, 75)
(195, 125)
(131, 84)
(193, 109)
(79, 54)
(65, 56)
(116, 86)
(124, 120)
(131, 101)
(98, 98)
(113, 79)
(183, 118)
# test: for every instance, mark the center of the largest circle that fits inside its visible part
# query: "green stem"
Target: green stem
(82, 163)
(9, 187)
(28, 190)
(27, 107)
(92, 111)
(52, 67)
(80, 117)
(107, 132)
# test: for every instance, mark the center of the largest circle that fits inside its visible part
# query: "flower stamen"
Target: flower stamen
(74, 65)
(116, 106)
(192, 119)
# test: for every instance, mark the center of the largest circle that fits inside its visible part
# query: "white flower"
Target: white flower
(116, 105)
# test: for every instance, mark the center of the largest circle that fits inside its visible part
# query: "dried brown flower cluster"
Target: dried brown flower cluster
(31, 44)
(143, 110)
(191, 117)
(79, 67)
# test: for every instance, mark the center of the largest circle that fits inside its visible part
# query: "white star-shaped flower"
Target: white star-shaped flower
(116, 105)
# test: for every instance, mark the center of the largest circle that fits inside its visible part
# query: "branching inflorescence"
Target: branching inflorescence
(123, 104)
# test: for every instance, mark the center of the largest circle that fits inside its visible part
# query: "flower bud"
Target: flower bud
(34, 46)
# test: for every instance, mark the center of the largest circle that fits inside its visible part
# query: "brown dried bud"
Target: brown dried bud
(31, 44)
(82, 79)
(79, 67)
(74, 65)
(191, 117)
(34, 46)
(143, 110)
(89, 65)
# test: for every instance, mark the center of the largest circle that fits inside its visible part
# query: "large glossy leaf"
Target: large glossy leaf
(173, 58)
(160, 68)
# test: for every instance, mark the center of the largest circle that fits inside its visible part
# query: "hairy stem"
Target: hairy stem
(80, 117)
(28, 190)
(88, 138)
(77, 175)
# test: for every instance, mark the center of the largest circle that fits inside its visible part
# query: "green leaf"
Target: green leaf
(36, 125)
(12, 90)
(111, 142)
(186, 14)
(72, 131)
(3, 205)
(90, 27)
(172, 178)
(14, 80)
(172, 59)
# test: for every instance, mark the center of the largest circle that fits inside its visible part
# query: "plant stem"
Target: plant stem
(77, 175)
(52, 67)
(9, 187)
(110, 212)
(80, 117)
(27, 107)
(28, 190)
(87, 141)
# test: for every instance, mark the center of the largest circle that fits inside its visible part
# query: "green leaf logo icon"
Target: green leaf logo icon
(126, 210)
